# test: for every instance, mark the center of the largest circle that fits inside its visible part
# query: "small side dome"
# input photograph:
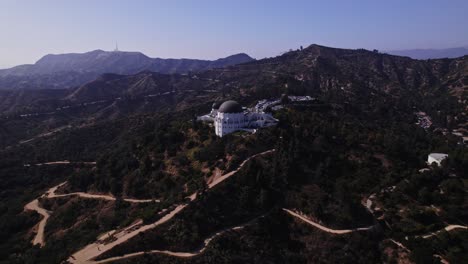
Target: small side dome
(216, 105)
(230, 107)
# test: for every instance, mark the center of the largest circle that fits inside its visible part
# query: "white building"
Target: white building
(436, 158)
(229, 117)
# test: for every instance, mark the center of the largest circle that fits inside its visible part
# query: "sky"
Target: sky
(210, 29)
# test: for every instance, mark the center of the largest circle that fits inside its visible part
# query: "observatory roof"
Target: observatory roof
(438, 156)
(230, 107)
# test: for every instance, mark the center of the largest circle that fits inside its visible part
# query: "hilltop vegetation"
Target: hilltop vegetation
(356, 139)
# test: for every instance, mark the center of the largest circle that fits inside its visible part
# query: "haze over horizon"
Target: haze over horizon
(192, 29)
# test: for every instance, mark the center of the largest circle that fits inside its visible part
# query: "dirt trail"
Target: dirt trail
(88, 253)
(179, 254)
(34, 206)
(399, 244)
(447, 228)
(46, 134)
(63, 162)
(51, 194)
(172, 253)
(95, 249)
(324, 228)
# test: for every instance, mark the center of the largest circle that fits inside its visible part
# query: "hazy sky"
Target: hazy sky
(217, 28)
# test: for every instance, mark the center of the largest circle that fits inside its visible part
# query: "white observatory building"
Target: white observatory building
(436, 158)
(229, 117)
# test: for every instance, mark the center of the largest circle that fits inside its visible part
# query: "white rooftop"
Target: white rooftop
(438, 156)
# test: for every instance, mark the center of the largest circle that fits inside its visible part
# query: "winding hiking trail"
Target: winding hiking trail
(346, 231)
(100, 246)
(324, 228)
(447, 229)
(91, 251)
(63, 162)
(190, 254)
(66, 162)
(46, 134)
(172, 253)
(34, 206)
(51, 194)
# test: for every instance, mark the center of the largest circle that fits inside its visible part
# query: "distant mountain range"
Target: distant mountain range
(74, 69)
(361, 75)
(424, 54)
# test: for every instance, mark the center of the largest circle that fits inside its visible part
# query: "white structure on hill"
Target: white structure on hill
(229, 117)
(436, 158)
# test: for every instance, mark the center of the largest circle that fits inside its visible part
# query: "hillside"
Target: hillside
(138, 180)
(74, 69)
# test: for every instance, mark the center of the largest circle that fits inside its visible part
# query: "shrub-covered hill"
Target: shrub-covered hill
(359, 79)
(326, 161)
(357, 139)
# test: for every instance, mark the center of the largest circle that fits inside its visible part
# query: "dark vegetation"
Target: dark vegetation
(356, 139)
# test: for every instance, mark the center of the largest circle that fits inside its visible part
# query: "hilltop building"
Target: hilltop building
(230, 116)
(436, 158)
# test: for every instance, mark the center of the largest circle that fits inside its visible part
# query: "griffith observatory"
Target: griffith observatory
(230, 116)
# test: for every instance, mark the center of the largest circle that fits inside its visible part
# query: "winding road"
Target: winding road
(91, 251)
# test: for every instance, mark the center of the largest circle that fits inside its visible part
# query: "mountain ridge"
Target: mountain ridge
(424, 54)
(55, 70)
(355, 74)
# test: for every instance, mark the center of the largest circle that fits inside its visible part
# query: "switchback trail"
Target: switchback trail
(34, 206)
(51, 194)
(91, 251)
